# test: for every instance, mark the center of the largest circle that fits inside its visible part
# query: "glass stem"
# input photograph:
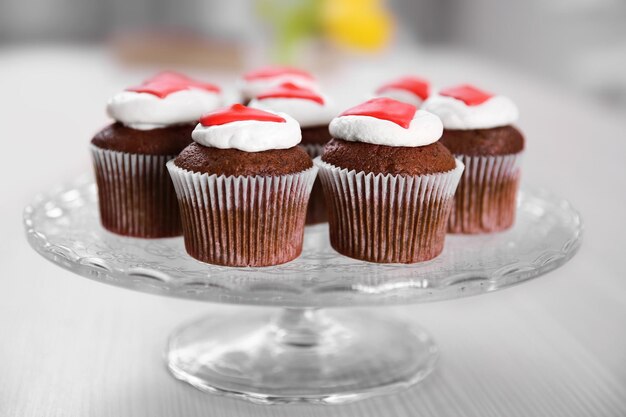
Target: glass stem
(300, 327)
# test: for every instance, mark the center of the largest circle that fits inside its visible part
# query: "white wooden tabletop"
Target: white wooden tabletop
(555, 346)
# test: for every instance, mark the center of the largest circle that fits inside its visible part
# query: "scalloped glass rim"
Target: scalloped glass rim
(63, 226)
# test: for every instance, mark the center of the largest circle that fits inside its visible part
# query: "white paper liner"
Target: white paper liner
(485, 200)
(388, 218)
(242, 220)
(135, 194)
(316, 211)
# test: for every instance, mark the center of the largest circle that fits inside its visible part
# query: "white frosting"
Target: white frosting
(253, 87)
(146, 111)
(402, 95)
(455, 114)
(307, 112)
(424, 129)
(250, 135)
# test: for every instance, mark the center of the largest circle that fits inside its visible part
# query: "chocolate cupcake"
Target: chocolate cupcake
(412, 90)
(478, 130)
(153, 124)
(389, 184)
(243, 188)
(260, 80)
(314, 112)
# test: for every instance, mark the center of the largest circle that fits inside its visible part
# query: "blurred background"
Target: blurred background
(579, 44)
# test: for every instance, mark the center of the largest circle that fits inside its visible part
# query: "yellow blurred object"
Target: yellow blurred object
(360, 24)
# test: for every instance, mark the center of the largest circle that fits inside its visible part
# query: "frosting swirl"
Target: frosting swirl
(166, 99)
(247, 129)
(256, 82)
(412, 90)
(384, 121)
(465, 107)
(306, 106)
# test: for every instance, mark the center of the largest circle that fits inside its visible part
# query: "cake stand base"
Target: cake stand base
(301, 355)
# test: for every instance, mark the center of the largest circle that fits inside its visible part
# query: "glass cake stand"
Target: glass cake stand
(302, 353)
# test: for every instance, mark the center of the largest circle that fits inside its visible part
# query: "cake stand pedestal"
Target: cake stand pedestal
(300, 355)
(303, 353)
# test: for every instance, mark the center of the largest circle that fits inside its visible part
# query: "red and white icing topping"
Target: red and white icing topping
(386, 109)
(465, 107)
(238, 113)
(412, 90)
(384, 121)
(290, 90)
(168, 98)
(468, 94)
(168, 82)
(273, 72)
(308, 107)
(247, 129)
(260, 80)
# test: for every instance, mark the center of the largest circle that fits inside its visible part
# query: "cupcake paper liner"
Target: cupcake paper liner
(388, 218)
(135, 194)
(316, 211)
(242, 220)
(486, 198)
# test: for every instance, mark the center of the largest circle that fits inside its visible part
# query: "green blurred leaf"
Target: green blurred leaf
(291, 21)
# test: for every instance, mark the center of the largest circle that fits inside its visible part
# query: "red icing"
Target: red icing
(290, 90)
(271, 72)
(166, 83)
(171, 76)
(386, 109)
(237, 113)
(418, 86)
(467, 93)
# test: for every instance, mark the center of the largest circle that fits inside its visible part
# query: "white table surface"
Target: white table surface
(555, 346)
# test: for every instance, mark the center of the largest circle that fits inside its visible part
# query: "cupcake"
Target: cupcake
(257, 81)
(412, 90)
(313, 112)
(389, 183)
(243, 187)
(478, 130)
(153, 124)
